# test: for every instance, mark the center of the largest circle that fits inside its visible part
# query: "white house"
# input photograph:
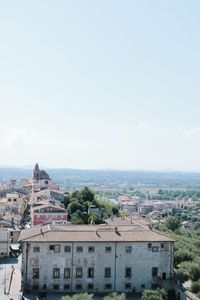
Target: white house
(74, 258)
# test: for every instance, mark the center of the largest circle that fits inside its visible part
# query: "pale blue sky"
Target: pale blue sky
(100, 84)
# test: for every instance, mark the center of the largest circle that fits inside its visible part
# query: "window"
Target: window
(56, 248)
(90, 272)
(154, 272)
(90, 286)
(79, 272)
(163, 276)
(14, 200)
(90, 249)
(36, 249)
(149, 246)
(108, 249)
(155, 249)
(128, 272)
(127, 285)
(79, 249)
(66, 286)
(164, 247)
(56, 273)
(107, 272)
(108, 286)
(66, 272)
(128, 249)
(56, 287)
(78, 286)
(36, 273)
(67, 248)
(143, 286)
(44, 287)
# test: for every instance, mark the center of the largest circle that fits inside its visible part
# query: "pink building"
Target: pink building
(48, 213)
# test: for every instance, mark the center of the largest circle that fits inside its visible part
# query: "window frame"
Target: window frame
(128, 272)
(155, 249)
(67, 247)
(37, 271)
(154, 272)
(108, 249)
(56, 273)
(128, 249)
(67, 272)
(34, 249)
(107, 272)
(91, 249)
(91, 272)
(79, 272)
(79, 249)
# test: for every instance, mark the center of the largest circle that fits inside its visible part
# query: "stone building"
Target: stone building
(104, 258)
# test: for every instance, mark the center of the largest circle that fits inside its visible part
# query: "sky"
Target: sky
(100, 84)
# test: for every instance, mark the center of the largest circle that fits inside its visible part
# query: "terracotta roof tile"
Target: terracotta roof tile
(87, 233)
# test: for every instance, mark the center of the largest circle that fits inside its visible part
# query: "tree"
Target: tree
(66, 201)
(86, 195)
(159, 294)
(75, 197)
(195, 272)
(73, 207)
(173, 223)
(195, 288)
(81, 296)
(182, 275)
(94, 219)
(109, 207)
(115, 296)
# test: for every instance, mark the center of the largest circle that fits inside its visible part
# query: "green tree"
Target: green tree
(81, 296)
(182, 275)
(173, 223)
(115, 296)
(75, 197)
(159, 294)
(73, 207)
(195, 272)
(195, 288)
(86, 195)
(66, 201)
(94, 219)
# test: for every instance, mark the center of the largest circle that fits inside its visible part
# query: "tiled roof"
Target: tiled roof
(88, 233)
(54, 208)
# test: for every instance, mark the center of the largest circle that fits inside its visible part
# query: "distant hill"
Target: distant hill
(79, 178)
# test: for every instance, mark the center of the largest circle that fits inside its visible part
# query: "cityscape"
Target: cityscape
(57, 241)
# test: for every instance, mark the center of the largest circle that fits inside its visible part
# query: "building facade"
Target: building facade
(95, 259)
(48, 213)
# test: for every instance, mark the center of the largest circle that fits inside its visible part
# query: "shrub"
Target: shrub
(159, 294)
(195, 288)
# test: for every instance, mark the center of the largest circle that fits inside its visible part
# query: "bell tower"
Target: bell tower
(36, 172)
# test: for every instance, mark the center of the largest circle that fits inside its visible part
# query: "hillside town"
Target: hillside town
(55, 244)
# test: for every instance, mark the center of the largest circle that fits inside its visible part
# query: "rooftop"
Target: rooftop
(91, 233)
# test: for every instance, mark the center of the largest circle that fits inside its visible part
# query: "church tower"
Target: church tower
(36, 172)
